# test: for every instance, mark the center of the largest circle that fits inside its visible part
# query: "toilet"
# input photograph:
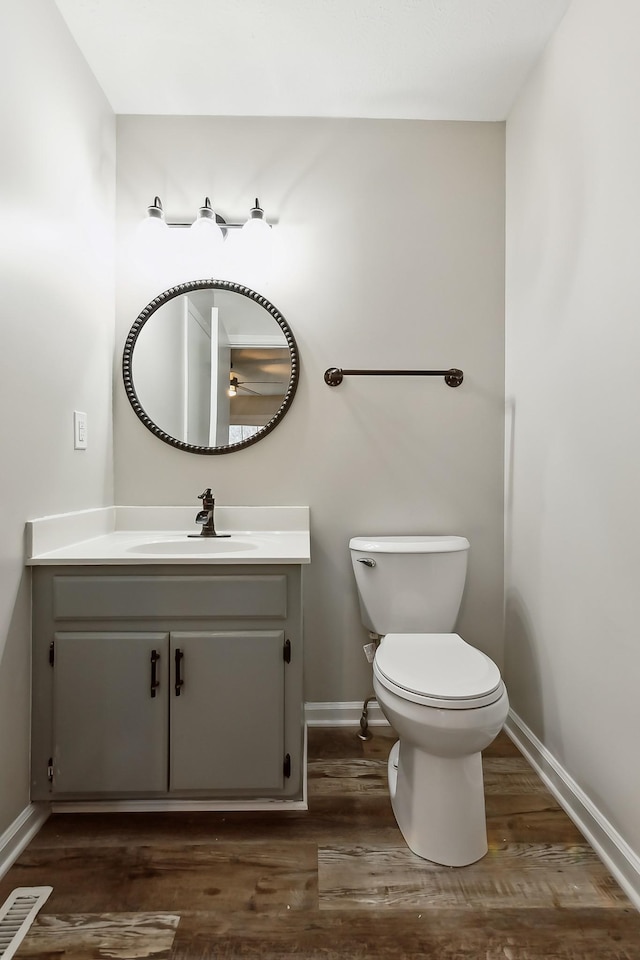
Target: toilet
(444, 698)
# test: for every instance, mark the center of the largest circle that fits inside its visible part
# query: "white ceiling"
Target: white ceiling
(408, 59)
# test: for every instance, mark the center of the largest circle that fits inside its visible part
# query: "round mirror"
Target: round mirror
(210, 366)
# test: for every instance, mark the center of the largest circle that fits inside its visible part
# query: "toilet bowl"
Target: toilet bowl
(446, 701)
(444, 698)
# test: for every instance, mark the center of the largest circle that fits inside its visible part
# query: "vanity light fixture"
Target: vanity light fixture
(246, 257)
(207, 219)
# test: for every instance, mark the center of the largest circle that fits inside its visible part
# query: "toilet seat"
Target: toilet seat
(438, 670)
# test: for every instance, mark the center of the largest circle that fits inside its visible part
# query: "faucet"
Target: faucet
(205, 516)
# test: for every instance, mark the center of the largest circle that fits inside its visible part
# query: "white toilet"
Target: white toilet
(444, 698)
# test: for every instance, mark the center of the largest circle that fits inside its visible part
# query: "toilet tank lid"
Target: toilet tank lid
(414, 544)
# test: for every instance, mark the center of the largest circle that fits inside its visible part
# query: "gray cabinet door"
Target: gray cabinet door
(227, 716)
(110, 726)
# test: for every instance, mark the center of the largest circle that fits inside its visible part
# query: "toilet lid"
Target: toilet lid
(439, 666)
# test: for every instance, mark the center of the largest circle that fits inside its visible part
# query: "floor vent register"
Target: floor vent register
(17, 914)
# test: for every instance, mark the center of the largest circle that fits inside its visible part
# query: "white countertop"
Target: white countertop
(169, 535)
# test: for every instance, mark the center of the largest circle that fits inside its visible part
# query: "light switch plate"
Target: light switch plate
(79, 430)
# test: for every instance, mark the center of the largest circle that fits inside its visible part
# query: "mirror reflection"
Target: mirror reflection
(211, 366)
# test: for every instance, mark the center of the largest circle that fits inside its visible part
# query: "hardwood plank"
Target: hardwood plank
(502, 746)
(530, 818)
(329, 817)
(326, 743)
(504, 775)
(510, 816)
(94, 936)
(343, 777)
(452, 934)
(525, 876)
(340, 742)
(509, 775)
(223, 876)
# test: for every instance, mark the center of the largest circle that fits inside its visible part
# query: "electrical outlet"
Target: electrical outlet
(79, 430)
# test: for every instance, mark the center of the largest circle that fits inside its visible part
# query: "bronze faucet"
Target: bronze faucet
(205, 516)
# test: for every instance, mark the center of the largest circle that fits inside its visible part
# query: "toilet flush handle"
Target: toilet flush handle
(368, 561)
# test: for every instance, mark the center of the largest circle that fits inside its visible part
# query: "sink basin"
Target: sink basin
(197, 545)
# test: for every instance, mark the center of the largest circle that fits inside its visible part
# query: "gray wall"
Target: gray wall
(573, 395)
(391, 241)
(57, 185)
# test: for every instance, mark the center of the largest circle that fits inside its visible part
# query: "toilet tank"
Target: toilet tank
(413, 585)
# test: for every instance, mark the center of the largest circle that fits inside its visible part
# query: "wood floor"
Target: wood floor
(334, 882)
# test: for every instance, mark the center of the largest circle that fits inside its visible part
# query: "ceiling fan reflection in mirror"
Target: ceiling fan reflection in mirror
(236, 386)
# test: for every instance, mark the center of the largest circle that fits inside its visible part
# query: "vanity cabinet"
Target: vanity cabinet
(167, 683)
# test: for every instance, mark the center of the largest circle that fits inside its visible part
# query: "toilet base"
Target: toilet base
(438, 803)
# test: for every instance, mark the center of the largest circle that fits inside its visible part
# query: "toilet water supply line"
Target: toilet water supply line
(369, 651)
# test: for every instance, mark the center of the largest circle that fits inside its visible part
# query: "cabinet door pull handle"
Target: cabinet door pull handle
(155, 683)
(179, 680)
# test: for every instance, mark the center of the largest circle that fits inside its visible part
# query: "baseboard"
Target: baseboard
(612, 849)
(19, 834)
(343, 714)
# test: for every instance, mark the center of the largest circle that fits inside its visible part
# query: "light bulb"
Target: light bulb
(205, 242)
(254, 251)
(154, 224)
(152, 238)
(205, 226)
(233, 387)
(256, 227)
